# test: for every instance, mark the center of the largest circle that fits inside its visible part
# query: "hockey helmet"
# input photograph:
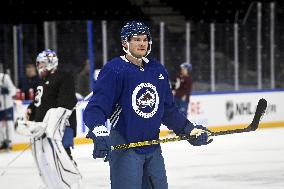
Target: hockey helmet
(49, 59)
(134, 28)
(187, 66)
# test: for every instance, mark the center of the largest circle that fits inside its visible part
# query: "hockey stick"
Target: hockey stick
(86, 98)
(26, 148)
(8, 164)
(260, 109)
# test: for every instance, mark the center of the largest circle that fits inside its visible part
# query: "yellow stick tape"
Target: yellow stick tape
(164, 133)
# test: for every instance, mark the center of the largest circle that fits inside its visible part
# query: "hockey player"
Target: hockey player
(134, 93)
(48, 119)
(7, 93)
(183, 87)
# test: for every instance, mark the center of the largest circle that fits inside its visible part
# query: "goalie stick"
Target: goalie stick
(14, 159)
(260, 109)
(86, 98)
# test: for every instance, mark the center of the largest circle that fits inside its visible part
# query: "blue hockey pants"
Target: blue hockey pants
(130, 170)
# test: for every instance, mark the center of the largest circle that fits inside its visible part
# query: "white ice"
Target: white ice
(252, 160)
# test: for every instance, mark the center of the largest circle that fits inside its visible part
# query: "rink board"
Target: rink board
(217, 111)
(230, 110)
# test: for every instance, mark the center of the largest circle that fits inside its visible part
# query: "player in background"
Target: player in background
(183, 87)
(134, 93)
(56, 89)
(7, 94)
(55, 93)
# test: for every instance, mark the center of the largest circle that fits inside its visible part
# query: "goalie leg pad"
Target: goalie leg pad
(56, 169)
(55, 166)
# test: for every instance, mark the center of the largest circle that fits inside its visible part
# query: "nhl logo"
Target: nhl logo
(230, 110)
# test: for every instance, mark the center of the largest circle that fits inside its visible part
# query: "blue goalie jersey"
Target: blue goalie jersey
(136, 100)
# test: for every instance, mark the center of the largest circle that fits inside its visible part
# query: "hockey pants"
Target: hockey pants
(131, 170)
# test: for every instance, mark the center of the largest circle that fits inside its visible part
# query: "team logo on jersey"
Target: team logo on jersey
(145, 100)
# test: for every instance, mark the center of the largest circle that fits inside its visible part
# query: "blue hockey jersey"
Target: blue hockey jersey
(136, 100)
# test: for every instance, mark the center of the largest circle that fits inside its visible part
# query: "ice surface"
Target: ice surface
(252, 160)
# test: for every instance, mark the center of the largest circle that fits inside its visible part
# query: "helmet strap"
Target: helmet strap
(129, 53)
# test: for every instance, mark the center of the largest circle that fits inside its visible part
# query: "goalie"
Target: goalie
(51, 124)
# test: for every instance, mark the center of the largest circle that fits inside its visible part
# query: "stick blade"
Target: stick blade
(260, 110)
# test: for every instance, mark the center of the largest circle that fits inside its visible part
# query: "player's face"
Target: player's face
(184, 71)
(41, 68)
(138, 45)
(30, 71)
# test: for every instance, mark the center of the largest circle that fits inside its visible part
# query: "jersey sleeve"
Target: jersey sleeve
(105, 96)
(172, 117)
(67, 98)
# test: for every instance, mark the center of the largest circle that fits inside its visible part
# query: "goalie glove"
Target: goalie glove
(53, 124)
(29, 128)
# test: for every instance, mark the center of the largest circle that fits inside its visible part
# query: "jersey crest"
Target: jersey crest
(145, 100)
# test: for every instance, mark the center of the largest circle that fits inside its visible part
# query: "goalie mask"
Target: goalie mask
(46, 62)
(135, 28)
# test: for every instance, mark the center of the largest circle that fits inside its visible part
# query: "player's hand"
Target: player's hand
(199, 135)
(28, 113)
(100, 137)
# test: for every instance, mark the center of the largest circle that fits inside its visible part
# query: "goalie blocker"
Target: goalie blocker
(56, 168)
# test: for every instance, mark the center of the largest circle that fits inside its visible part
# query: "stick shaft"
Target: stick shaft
(14, 159)
(174, 139)
(260, 109)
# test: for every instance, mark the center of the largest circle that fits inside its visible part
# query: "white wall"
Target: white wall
(233, 109)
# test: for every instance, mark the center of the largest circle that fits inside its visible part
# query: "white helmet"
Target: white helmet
(49, 58)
